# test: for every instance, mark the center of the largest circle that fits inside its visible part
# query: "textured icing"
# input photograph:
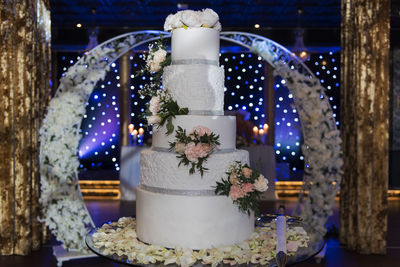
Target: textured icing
(160, 169)
(195, 43)
(190, 221)
(198, 87)
(224, 126)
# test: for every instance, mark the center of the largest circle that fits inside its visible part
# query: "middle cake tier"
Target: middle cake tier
(199, 87)
(159, 171)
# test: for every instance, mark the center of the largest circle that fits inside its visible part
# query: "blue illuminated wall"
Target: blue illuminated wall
(244, 85)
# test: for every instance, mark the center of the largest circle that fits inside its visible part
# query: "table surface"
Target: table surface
(315, 246)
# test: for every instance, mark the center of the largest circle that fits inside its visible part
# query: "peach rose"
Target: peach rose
(247, 172)
(180, 148)
(233, 178)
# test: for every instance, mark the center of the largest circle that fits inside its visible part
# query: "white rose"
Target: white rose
(168, 22)
(176, 21)
(218, 26)
(154, 62)
(154, 105)
(153, 119)
(191, 18)
(261, 184)
(154, 66)
(159, 56)
(208, 17)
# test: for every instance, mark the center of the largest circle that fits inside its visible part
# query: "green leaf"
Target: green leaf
(170, 126)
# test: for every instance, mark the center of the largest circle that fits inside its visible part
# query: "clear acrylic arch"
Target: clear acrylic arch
(65, 212)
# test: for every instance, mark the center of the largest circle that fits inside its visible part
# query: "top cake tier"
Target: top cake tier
(195, 44)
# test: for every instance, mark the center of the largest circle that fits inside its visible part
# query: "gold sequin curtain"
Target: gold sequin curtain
(364, 127)
(24, 94)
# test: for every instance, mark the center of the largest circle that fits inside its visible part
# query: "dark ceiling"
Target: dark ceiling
(276, 18)
(233, 13)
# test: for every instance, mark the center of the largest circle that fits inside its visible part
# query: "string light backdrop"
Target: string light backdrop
(244, 84)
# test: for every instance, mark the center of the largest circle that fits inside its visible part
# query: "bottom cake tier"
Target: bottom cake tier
(196, 222)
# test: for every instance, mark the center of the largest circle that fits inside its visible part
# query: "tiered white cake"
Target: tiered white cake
(174, 208)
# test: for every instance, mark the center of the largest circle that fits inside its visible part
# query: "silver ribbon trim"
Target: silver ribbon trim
(181, 192)
(216, 151)
(195, 61)
(206, 112)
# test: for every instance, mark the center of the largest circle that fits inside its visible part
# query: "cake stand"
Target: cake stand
(315, 246)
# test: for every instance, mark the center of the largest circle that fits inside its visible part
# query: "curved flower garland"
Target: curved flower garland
(195, 148)
(322, 141)
(120, 238)
(244, 186)
(65, 212)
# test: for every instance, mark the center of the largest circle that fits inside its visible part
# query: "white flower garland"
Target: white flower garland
(321, 148)
(65, 212)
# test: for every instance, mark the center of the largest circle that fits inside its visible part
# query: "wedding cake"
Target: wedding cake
(176, 208)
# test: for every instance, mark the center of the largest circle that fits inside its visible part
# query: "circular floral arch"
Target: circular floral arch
(65, 211)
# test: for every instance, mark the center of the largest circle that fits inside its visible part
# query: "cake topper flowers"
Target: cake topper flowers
(206, 18)
(244, 186)
(195, 148)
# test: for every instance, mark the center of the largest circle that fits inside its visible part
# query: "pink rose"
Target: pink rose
(154, 105)
(193, 152)
(233, 178)
(247, 172)
(207, 148)
(292, 246)
(236, 192)
(247, 188)
(201, 130)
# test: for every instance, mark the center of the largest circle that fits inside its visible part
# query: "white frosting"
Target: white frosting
(198, 87)
(195, 43)
(224, 126)
(195, 222)
(160, 169)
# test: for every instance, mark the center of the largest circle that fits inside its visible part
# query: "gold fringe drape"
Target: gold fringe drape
(364, 124)
(25, 86)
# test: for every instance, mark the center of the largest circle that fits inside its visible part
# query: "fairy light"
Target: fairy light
(244, 89)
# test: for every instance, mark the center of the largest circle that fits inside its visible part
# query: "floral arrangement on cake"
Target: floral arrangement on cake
(195, 148)
(206, 18)
(162, 108)
(244, 186)
(120, 238)
(156, 59)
